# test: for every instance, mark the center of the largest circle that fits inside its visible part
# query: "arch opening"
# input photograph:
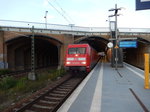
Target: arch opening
(19, 52)
(97, 42)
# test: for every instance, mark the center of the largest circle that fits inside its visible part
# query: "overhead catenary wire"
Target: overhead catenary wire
(63, 11)
(58, 11)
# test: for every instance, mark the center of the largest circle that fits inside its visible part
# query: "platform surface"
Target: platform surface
(106, 89)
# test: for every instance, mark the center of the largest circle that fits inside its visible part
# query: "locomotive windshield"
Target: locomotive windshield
(79, 50)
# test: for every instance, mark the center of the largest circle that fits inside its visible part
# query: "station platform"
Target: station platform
(106, 89)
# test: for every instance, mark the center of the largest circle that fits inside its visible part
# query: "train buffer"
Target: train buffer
(106, 89)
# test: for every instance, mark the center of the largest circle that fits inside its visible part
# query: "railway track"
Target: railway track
(50, 99)
(15, 74)
(21, 73)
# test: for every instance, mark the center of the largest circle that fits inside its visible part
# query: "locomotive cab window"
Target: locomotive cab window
(79, 50)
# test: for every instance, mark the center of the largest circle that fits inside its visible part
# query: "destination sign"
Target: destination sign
(142, 4)
(128, 44)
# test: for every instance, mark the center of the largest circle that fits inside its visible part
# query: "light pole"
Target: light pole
(116, 33)
(46, 19)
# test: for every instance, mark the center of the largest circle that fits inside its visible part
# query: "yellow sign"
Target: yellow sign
(146, 80)
(116, 47)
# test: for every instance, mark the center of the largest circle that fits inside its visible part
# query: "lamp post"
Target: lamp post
(116, 33)
(46, 19)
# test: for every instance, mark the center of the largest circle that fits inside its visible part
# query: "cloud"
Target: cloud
(133, 19)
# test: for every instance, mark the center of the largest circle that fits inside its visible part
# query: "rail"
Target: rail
(48, 99)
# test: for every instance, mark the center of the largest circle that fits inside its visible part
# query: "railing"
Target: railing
(70, 27)
(146, 73)
(26, 24)
(136, 30)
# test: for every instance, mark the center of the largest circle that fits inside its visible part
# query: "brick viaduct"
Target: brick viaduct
(15, 46)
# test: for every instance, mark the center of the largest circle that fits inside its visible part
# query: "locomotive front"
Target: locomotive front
(77, 57)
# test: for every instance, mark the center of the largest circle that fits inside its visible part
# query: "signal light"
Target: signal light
(76, 55)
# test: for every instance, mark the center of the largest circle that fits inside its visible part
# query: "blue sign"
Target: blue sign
(142, 4)
(128, 44)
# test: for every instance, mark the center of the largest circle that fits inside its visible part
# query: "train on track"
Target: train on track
(80, 57)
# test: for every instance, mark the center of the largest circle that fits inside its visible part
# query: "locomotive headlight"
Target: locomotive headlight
(83, 62)
(67, 63)
(76, 55)
(81, 59)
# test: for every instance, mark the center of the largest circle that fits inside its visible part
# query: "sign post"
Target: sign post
(116, 51)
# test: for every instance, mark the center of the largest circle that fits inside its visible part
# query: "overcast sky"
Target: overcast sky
(90, 13)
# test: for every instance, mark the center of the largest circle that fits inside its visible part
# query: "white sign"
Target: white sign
(110, 45)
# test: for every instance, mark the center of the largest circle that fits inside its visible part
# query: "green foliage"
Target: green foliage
(21, 84)
(56, 73)
(4, 71)
(7, 83)
(12, 89)
(2, 94)
(24, 84)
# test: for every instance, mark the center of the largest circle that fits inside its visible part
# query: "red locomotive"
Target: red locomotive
(80, 57)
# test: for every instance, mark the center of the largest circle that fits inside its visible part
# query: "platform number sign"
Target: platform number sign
(128, 44)
(142, 4)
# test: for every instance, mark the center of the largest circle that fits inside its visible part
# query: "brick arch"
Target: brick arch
(98, 42)
(19, 52)
(53, 40)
